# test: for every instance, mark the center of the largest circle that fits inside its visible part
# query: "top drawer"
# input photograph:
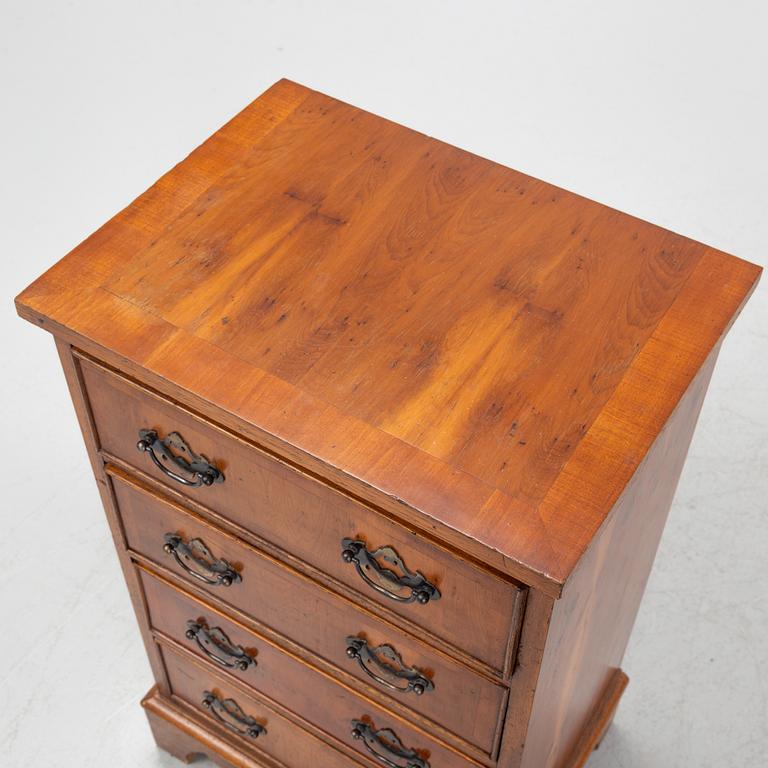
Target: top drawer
(392, 565)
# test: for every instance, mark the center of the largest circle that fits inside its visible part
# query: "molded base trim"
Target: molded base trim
(600, 720)
(186, 739)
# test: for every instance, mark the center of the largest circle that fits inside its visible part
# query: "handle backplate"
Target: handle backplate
(385, 746)
(176, 460)
(215, 644)
(384, 570)
(199, 562)
(229, 714)
(385, 665)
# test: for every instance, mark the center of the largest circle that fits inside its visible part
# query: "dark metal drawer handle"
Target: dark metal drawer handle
(202, 471)
(386, 747)
(229, 714)
(198, 561)
(397, 583)
(385, 660)
(215, 644)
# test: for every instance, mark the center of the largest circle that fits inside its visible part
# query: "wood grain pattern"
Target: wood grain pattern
(591, 623)
(72, 373)
(378, 336)
(600, 721)
(188, 738)
(440, 334)
(178, 732)
(283, 744)
(461, 702)
(308, 519)
(328, 708)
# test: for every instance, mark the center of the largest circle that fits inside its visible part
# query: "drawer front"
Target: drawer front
(460, 700)
(458, 705)
(309, 696)
(255, 726)
(315, 523)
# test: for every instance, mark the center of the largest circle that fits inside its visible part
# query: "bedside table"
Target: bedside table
(386, 434)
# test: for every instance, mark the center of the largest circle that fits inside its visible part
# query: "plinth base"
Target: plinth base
(186, 738)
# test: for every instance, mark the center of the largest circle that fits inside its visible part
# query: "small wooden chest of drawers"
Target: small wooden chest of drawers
(386, 435)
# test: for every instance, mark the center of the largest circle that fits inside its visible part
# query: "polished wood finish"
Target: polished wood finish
(309, 519)
(591, 623)
(443, 330)
(600, 721)
(483, 702)
(186, 738)
(73, 378)
(282, 743)
(329, 707)
(378, 336)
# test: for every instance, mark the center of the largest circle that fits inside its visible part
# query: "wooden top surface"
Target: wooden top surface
(490, 352)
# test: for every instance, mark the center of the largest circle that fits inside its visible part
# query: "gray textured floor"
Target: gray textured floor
(658, 109)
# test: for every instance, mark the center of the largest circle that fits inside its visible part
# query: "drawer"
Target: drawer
(316, 523)
(460, 700)
(310, 697)
(256, 726)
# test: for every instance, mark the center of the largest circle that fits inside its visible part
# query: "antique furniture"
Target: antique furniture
(386, 434)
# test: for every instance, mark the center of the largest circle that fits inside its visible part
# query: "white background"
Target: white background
(657, 108)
